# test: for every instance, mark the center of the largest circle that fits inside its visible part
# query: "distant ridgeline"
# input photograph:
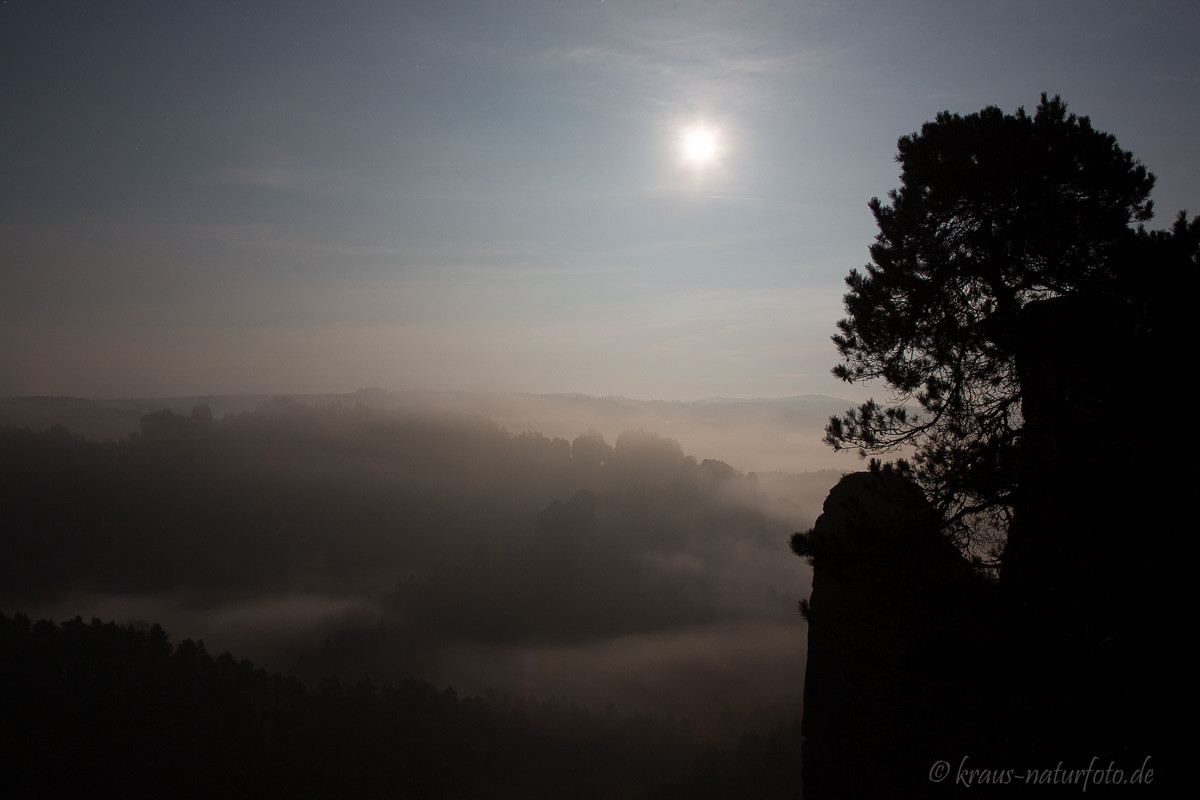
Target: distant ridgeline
(167, 423)
(1073, 657)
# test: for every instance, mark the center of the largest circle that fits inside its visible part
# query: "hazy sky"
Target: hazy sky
(287, 197)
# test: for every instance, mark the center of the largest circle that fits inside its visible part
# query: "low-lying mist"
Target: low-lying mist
(389, 543)
(761, 435)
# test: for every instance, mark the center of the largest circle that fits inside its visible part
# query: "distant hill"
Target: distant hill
(761, 434)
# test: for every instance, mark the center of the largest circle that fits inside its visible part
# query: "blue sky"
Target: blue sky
(295, 197)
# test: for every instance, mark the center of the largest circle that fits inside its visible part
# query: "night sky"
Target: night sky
(641, 197)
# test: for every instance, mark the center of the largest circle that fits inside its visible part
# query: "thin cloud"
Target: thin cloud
(281, 174)
(714, 61)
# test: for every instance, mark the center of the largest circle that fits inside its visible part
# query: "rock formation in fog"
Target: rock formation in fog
(1073, 653)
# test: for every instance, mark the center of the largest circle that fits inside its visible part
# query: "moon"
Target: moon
(699, 144)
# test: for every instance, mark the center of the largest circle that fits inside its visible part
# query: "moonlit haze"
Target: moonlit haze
(656, 199)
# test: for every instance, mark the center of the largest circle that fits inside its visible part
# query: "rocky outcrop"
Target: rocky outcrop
(896, 618)
(1093, 582)
(1074, 656)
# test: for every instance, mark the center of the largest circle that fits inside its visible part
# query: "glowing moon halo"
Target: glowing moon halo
(699, 145)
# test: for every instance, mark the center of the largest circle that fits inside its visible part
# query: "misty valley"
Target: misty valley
(428, 552)
(468, 592)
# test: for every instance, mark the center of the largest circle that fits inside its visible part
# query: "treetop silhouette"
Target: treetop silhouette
(994, 211)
